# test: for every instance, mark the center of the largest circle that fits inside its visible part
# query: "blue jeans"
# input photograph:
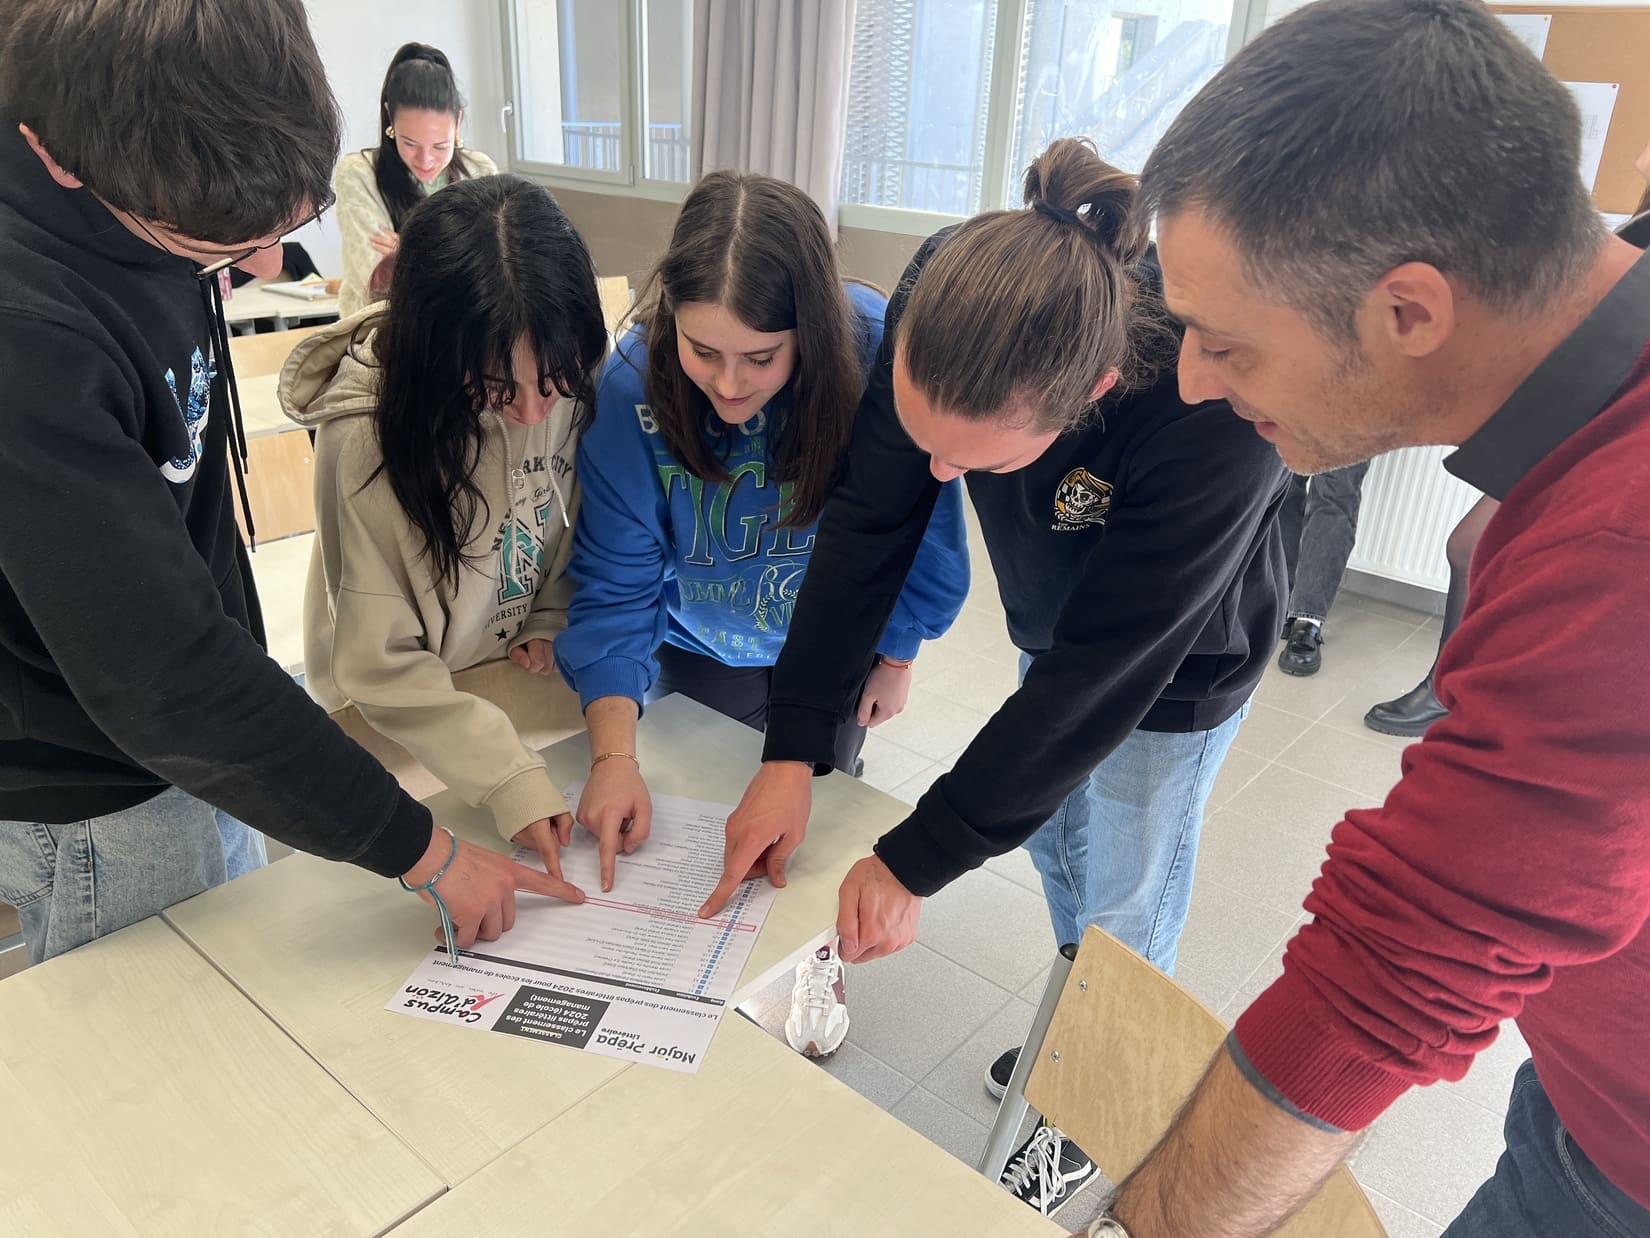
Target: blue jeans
(1120, 851)
(73, 883)
(1544, 1185)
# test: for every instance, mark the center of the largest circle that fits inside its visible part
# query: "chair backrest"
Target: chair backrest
(1125, 1048)
(614, 291)
(267, 353)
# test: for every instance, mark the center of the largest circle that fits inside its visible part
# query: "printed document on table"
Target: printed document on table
(632, 974)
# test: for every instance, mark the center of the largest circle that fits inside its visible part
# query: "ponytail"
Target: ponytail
(1021, 313)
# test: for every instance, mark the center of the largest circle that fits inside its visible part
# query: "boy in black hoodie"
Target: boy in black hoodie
(145, 147)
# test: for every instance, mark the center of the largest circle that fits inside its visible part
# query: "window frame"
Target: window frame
(628, 181)
(1248, 19)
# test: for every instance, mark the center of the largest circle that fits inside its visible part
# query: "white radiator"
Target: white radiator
(1410, 505)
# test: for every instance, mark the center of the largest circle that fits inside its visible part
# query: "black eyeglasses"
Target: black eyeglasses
(229, 260)
(223, 264)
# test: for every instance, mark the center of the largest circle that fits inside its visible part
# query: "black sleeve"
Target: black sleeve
(867, 539)
(95, 552)
(1198, 498)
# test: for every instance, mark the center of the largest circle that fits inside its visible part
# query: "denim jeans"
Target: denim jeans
(1544, 1185)
(1120, 851)
(1320, 525)
(72, 883)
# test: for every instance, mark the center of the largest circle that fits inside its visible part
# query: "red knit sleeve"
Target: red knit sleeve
(1517, 842)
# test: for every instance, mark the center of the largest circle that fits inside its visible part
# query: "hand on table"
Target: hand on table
(767, 827)
(547, 836)
(885, 693)
(535, 655)
(617, 809)
(385, 240)
(876, 915)
(479, 887)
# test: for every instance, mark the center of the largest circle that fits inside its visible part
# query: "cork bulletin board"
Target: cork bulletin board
(1605, 44)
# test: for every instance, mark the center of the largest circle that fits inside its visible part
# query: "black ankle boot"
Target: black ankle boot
(1410, 714)
(1301, 655)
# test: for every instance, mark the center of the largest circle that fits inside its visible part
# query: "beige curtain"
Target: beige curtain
(770, 90)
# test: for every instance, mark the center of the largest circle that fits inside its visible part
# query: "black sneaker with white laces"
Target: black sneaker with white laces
(1047, 1170)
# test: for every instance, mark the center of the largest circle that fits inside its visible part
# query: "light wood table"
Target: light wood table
(143, 1095)
(320, 947)
(760, 1141)
(252, 303)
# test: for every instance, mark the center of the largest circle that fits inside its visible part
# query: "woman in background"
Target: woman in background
(446, 422)
(420, 151)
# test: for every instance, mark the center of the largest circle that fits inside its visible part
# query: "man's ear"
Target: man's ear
(1414, 306)
(64, 178)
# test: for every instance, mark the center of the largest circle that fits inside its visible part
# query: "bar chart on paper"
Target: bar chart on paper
(631, 973)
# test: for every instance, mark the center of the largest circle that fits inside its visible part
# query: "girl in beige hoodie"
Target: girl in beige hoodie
(445, 425)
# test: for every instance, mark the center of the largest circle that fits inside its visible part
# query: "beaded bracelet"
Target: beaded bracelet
(440, 903)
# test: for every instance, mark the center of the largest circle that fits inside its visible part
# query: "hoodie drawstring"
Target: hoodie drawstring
(212, 292)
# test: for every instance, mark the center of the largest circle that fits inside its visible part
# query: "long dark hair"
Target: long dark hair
(481, 265)
(1063, 275)
(420, 77)
(760, 248)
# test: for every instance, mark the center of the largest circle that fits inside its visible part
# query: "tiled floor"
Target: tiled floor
(928, 1021)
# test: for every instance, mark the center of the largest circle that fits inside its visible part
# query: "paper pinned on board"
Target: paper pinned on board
(1597, 101)
(1531, 30)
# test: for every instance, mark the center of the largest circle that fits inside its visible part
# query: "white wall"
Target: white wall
(356, 39)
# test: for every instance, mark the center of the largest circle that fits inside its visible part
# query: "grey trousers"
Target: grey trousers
(1320, 524)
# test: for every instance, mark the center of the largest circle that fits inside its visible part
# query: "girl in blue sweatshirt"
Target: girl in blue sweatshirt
(721, 425)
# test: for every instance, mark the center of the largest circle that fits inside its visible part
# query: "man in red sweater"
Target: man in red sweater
(1372, 226)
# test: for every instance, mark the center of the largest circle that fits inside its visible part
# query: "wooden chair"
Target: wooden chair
(13, 956)
(266, 354)
(615, 295)
(280, 476)
(1123, 1049)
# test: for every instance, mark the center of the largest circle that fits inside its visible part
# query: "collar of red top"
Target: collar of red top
(1566, 391)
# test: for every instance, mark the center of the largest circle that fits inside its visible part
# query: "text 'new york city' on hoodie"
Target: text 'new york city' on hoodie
(379, 631)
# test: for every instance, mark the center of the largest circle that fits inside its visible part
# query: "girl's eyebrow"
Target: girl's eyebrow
(707, 348)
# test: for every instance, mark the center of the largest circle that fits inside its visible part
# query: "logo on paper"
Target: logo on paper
(459, 1005)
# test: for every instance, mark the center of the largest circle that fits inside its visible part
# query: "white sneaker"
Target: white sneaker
(818, 1022)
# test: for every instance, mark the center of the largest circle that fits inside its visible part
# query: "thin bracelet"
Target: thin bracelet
(608, 756)
(899, 664)
(440, 903)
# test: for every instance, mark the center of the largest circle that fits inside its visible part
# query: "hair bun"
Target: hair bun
(420, 51)
(1071, 184)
